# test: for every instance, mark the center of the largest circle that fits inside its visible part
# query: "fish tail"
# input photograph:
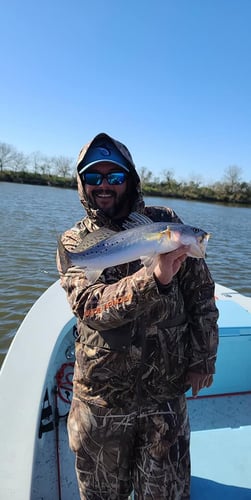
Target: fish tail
(63, 257)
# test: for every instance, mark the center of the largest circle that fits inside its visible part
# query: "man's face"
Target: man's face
(113, 200)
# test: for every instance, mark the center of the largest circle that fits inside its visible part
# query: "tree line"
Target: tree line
(13, 160)
(230, 190)
(60, 171)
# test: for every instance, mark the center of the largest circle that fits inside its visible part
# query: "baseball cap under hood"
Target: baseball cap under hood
(103, 148)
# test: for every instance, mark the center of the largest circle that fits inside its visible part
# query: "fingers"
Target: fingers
(209, 380)
(179, 252)
(198, 381)
(196, 386)
(183, 250)
(176, 256)
(169, 264)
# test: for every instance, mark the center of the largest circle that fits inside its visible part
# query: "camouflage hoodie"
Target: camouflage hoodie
(137, 339)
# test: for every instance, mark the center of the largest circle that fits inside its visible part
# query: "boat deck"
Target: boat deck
(221, 417)
(221, 447)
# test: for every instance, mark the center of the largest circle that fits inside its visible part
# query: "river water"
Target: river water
(32, 217)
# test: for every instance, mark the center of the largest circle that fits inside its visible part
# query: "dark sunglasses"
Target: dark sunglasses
(96, 178)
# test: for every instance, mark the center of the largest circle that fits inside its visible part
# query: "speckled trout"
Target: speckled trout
(145, 241)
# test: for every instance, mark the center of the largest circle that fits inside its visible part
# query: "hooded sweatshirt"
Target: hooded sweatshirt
(137, 338)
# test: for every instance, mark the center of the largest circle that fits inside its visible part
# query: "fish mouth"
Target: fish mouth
(196, 252)
(198, 249)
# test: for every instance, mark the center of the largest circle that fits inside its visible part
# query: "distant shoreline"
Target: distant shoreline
(186, 192)
(38, 179)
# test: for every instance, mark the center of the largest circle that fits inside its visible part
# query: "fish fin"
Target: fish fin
(167, 232)
(155, 236)
(136, 219)
(92, 274)
(63, 256)
(147, 260)
(65, 262)
(93, 238)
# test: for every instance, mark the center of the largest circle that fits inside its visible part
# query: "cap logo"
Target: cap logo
(104, 151)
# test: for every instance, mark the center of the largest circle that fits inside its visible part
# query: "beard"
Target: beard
(117, 208)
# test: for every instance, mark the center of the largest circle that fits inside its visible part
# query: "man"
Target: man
(144, 339)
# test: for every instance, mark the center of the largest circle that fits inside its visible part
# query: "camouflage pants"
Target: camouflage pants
(145, 450)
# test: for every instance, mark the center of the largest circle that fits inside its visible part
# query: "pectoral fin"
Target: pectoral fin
(92, 274)
(148, 260)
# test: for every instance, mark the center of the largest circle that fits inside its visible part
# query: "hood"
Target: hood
(98, 218)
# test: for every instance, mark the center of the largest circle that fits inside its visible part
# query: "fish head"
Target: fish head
(198, 248)
(181, 234)
(197, 240)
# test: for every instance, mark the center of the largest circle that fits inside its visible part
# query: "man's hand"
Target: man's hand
(198, 381)
(168, 264)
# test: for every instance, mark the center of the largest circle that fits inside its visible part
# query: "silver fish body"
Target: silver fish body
(142, 242)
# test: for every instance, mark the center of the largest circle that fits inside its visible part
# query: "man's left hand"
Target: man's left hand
(198, 381)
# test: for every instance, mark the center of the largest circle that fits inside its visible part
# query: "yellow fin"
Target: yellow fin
(167, 232)
(154, 236)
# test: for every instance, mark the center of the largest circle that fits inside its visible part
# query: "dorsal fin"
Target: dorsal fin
(136, 219)
(93, 238)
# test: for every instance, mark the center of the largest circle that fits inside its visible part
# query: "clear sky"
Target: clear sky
(170, 79)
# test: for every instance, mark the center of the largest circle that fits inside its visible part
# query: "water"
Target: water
(32, 217)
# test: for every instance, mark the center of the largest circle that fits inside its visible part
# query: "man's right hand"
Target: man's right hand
(169, 264)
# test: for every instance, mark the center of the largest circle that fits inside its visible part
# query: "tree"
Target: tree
(45, 165)
(195, 180)
(7, 155)
(20, 161)
(168, 176)
(145, 175)
(171, 185)
(35, 161)
(63, 166)
(232, 178)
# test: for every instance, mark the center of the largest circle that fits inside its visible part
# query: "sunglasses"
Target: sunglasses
(96, 178)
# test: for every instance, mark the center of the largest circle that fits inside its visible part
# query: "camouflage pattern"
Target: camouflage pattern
(146, 450)
(137, 340)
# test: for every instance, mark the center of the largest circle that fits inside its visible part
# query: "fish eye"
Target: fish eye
(196, 230)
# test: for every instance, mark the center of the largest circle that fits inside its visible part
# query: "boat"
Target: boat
(36, 391)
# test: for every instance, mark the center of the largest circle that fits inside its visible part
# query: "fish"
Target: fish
(141, 239)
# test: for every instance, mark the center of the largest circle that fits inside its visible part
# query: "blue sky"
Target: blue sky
(170, 79)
